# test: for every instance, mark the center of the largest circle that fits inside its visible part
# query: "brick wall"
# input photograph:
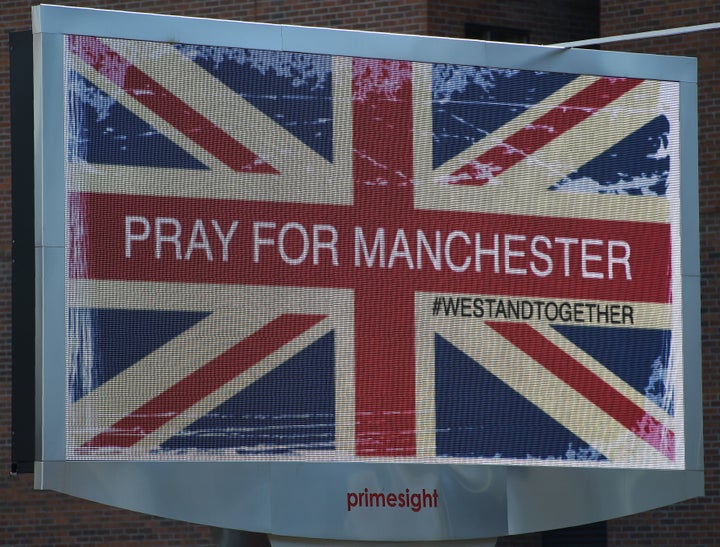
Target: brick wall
(403, 16)
(695, 522)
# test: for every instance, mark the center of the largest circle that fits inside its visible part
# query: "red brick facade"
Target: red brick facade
(28, 517)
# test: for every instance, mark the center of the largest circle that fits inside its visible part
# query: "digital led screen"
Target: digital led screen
(342, 285)
(294, 256)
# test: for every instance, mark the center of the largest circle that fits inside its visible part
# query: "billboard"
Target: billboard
(425, 283)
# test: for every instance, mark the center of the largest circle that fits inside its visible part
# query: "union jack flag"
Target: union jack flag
(300, 256)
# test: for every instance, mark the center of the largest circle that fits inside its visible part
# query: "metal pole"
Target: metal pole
(238, 538)
(639, 35)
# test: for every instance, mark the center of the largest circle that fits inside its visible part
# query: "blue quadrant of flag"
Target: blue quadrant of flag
(291, 408)
(111, 340)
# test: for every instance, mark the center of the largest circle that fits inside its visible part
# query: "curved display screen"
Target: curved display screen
(363, 297)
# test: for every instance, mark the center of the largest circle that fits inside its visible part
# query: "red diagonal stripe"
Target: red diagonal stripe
(201, 383)
(590, 386)
(543, 130)
(162, 102)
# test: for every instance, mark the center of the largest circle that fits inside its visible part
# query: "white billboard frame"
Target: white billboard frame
(283, 498)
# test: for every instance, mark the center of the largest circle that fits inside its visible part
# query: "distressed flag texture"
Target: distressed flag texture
(276, 255)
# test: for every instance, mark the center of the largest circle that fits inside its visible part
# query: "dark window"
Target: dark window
(496, 34)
